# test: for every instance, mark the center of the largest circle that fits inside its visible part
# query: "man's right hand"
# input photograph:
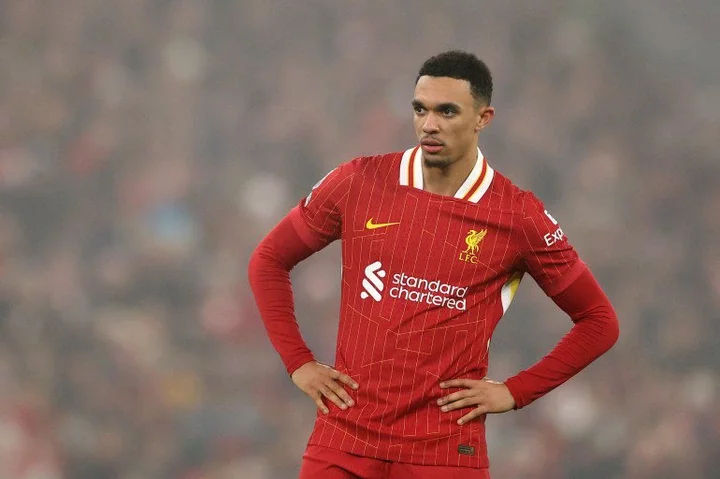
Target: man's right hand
(317, 380)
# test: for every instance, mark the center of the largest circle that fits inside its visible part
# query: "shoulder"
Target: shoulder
(536, 220)
(381, 163)
(368, 164)
(359, 167)
(521, 203)
(507, 196)
(365, 170)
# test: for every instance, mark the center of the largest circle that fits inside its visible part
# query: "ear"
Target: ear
(485, 116)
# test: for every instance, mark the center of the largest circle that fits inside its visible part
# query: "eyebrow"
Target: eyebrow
(439, 107)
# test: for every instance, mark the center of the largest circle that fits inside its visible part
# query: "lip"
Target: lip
(431, 146)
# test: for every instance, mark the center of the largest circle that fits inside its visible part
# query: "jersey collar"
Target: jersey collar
(473, 188)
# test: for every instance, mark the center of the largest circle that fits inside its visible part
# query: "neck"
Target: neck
(447, 179)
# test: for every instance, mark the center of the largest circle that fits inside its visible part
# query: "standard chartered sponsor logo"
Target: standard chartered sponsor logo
(410, 288)
(421, 290)
(372, 284)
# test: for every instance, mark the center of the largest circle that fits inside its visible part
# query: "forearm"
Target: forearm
(595, 331)
(269, 276)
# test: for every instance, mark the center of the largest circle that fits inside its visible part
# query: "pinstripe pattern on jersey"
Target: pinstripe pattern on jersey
(399, 350)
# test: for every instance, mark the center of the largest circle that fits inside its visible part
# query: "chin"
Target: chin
(436, 161)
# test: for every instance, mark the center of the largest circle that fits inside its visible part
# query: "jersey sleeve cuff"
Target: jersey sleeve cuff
(514, 385)
(295, 363)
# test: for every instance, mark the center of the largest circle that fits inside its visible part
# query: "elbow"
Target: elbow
(613, 328)
(258, 261)
(604, 326)
(266, 258)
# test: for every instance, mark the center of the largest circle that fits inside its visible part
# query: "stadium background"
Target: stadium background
(146, 146)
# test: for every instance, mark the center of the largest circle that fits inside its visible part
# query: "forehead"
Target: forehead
(431, 90)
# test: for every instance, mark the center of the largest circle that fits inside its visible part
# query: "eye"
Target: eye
(418, 109)
(447, 111)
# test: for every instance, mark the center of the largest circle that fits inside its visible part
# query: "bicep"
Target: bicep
(583, 296)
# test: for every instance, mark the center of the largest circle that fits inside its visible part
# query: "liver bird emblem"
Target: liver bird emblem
(473, 239)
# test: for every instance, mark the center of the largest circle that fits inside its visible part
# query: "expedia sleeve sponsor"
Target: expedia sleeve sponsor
(547, 253)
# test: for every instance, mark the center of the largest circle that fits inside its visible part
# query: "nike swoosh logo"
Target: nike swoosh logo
(373, 226)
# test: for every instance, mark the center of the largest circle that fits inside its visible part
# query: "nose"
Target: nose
(431, 124)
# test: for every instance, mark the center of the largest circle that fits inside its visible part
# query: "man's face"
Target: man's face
(447, 119)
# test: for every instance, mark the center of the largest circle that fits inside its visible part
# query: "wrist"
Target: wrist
(298, 363)
(514, 385)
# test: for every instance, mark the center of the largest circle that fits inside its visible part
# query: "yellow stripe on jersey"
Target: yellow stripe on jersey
(507, 293)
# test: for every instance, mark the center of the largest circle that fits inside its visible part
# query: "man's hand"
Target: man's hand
(318, 380)
(489, 396)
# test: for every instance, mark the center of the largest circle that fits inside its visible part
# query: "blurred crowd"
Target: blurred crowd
(146, 146)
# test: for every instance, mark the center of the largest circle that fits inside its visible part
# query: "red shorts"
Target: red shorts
(325, 463)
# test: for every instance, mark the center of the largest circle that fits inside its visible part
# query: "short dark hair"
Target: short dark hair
(462, 66)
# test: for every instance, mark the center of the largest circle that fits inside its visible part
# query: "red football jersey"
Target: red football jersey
(425, 280)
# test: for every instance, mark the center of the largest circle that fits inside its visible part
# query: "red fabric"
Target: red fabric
(324, 207)
(595, 331)
(301, 233)
(269, 275)
(546, 252)
(325, 463)
(423, 288)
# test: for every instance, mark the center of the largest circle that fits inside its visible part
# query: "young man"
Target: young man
(434, 245)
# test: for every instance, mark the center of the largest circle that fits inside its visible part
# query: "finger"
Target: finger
(458, 383)
(320, 404)
(345, 379)
(474, 414)
(455, 396)
(459, 404)
(328, 393)
(340, 391)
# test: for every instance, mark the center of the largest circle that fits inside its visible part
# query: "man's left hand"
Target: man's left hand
(487, 395)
